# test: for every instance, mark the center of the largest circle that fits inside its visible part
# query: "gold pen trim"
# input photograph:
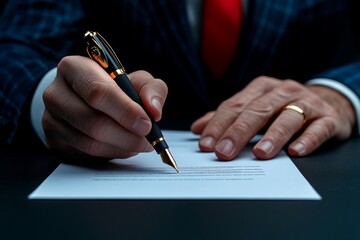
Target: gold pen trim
(116, 73)
(153, 143)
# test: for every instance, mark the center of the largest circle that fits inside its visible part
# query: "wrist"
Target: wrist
(342, 105)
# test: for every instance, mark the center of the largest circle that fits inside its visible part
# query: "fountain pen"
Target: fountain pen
(101, 52)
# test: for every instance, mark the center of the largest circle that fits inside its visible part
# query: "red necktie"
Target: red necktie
(221, 31)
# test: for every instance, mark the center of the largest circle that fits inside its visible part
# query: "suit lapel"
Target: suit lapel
(266, 24)
(171, 20)
(264, 28)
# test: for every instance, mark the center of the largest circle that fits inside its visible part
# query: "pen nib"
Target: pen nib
(168, 158)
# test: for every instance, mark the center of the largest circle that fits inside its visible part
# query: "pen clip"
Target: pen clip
(100, 51)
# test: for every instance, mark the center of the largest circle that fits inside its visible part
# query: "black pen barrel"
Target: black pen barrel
(155, 136)
(101, 52)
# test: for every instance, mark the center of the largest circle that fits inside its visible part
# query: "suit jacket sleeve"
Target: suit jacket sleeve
(34, 35)
(348, 74)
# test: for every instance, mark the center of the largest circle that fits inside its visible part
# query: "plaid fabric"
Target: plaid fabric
(32, 37)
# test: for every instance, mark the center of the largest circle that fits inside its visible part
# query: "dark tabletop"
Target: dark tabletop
(334, 172)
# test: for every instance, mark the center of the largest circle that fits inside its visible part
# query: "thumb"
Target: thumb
(152, 91)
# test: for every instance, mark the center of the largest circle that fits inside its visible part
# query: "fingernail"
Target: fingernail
(266, 146)
(207, 142)
(225, 147)
(299, 147)
(141, 126)
(156, 103)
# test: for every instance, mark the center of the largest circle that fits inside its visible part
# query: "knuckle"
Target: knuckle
(322, 132)
(312, 139)
(289, 88)
(217, 128)
(97, 128)
(127, 113)
(262, 79)
(46, 122)
(232, 107)
(227, 103)
(48, 128)
(64, 64)
(97, 92)
(49, 96)
(292, 85)
(281, 130)
(260, 108)
(162, 85)
(91, 147)
(239, 129)
(328, 128)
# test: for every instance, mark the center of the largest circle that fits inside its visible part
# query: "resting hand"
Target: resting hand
(329, 115)
(87, 113)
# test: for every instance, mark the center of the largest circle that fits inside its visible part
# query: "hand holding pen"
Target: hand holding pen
(101, 52)
(86, 114)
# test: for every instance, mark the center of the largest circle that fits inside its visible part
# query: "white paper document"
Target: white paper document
(201, 176)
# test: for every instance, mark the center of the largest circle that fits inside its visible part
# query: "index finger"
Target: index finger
(227, 113)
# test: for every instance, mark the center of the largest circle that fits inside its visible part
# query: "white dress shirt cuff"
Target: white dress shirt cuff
(353, 98)
(37, 103)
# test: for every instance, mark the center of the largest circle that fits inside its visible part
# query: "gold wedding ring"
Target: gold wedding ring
(296, 109)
